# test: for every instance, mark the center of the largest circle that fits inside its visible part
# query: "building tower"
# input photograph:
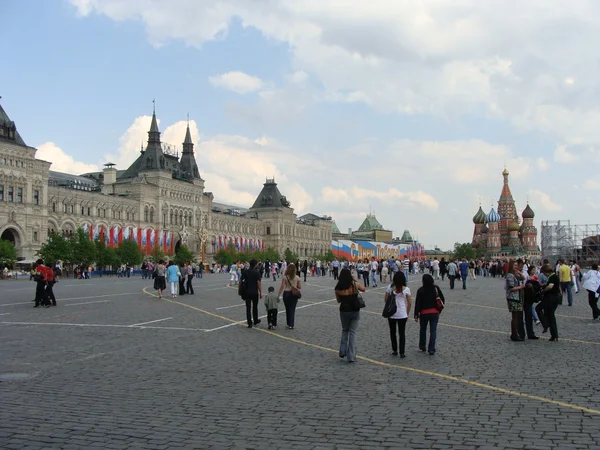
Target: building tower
(479, 221)
(528, 230)
(514, 243)
(506, 210)
(494, 244)
(189, 167)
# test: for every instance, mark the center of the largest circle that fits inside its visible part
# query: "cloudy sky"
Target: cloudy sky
(410, 109)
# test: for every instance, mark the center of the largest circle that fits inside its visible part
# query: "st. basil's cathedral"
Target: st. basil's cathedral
(499, 234)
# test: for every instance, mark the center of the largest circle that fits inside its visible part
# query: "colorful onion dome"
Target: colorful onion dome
(479, 218)
(484, 230)
(513, 226)
(493, 216)
(528, 212)
(505, 172)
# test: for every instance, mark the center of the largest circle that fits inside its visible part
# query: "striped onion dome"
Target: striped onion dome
(479, 217)
(493, 216)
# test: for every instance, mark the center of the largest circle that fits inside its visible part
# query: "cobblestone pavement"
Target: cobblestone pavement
(115, 367)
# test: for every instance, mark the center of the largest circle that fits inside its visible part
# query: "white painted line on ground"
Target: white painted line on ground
(20, 289)
(76, 298)
(152, 321)
(88, 303)
(217, 289)
(232, 306)
(4, 314)
(262, 317)
(81, 284)
(95, 325)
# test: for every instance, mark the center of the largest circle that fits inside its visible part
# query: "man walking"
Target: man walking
(251, 281)
(374, 267)
(452, 273)
(464, 271)
(564, 273)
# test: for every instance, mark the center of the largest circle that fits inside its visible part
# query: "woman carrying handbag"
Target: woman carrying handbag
(401, 295)
(290, 286)
(347, 295)
(428, 305)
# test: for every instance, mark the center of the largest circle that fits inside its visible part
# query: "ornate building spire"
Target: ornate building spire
(506, 209)
(188, 160)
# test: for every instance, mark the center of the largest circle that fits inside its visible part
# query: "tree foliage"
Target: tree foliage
(227, 257)
(105, 256)
(328, 257)
(56, 248)
(464, 251)
(83, 250)
(182, 255)
(8, 254)
(290, 256)
(157, 253)
(128, 252)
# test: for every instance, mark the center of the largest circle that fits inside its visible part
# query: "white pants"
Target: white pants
(436, 274)
(174, 287)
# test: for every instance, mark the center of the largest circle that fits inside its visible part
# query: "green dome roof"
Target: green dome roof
(479, 218)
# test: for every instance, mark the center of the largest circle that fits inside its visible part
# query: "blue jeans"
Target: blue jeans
(374, 277)
(464, 280)
(406, 274)
(349, 327)
(432, 320)
(567, 287)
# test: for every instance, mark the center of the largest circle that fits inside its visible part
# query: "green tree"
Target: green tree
(182, 255)
(464, 251)
(56, 248)
(83, 250)
(329, 256)
(290, 256)
(157, 253)
(128, 252)
(225, 257)
(8, 254)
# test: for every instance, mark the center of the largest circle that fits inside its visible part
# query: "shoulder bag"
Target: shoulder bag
(294, 290)
(439, 303)
(359, 302)
(390, 307)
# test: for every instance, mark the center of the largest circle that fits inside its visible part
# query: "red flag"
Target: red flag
(120, 236)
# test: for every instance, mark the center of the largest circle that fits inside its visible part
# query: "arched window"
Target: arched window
(146, 214)
(152, 215)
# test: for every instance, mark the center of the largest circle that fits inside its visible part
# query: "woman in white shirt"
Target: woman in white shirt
(398, 320)
(591, 282)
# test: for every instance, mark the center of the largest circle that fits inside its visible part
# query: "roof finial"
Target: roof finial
(188, 120)
(153, 106)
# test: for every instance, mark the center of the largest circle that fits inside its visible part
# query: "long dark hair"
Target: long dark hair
(399, 281)
(344, 280)
(429, 285)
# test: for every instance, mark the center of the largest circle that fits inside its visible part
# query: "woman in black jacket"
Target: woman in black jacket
(426, 310)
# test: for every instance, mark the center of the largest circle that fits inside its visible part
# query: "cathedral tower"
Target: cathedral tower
(506, 210)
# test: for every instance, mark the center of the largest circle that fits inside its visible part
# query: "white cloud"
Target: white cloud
(61, 161)
(542, 164)
(592, 185)
(545, 201)
(389, 197)
(536, 69)
(563, 156)
(238, 82)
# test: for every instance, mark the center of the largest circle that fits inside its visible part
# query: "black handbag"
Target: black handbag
(358, 301)
(390, 307)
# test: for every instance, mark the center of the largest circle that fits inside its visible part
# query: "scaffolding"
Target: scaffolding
(560, 239)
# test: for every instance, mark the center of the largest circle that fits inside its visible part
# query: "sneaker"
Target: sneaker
(270, 327)
(537, 322)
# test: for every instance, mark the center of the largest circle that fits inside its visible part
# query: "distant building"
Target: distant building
(159, 200)
(498, 234)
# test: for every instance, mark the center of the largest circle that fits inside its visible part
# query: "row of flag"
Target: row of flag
(146, 238)
(241, 244)
(415, 251)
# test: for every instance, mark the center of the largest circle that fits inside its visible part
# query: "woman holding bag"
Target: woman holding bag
(290, 286)
(398, 320)
(346, 293)
(427, 311)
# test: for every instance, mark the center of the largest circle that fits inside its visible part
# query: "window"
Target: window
(71, 209)
(268, 230)
(35, 236)
(164, 219)
(19, 195)
(151, 215)
(53, 207)
(10, 194)
(1, 192)
(36, 197)
(171, 218)
(145, 215)
(64, 207)
(83, 211)
(89, 211)
(132, 216)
